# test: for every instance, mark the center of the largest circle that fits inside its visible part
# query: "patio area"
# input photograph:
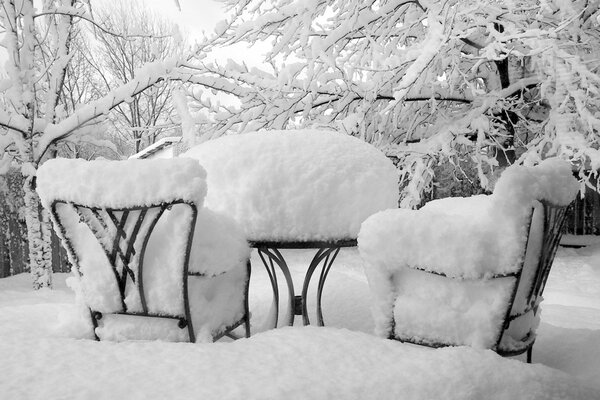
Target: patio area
(48, 351)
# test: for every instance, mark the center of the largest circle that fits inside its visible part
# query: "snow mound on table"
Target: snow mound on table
(297, 185)
(121, 183)
(472, 239)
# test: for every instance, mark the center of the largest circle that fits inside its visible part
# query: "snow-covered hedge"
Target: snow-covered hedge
(219, 244)
(297, 185)
(471, 239)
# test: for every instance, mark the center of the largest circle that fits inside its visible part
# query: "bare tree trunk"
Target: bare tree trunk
(38, 232)
(4, 257)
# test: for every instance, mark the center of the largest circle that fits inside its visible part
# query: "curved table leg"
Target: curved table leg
(327, 255)
(324, 272)
(297, 305)
(274, 256)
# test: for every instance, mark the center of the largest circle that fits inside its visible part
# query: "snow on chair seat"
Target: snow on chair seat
(469, 271)
(142, 245)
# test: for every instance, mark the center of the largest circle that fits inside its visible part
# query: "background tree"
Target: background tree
(426, 81)
(81, 86)
(33, 119)
(143, 37)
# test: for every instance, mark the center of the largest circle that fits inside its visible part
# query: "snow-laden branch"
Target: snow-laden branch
(146, 77)
(61, 32)
(13, 121)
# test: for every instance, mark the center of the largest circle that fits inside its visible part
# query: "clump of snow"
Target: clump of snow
(120, 327)
(219, 244)
(219, 252)
(431, 308)
(521, 332)
(470, 239)
(219, 247)
(217, 302)
(121, 183)
(297, 185)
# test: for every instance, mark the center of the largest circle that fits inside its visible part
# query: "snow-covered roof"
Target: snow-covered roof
(157, 146)
(297, 185)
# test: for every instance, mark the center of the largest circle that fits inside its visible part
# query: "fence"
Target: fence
(583, 216)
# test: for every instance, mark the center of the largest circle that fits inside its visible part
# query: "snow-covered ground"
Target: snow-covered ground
(46, 354)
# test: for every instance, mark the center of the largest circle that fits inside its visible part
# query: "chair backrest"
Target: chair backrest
(469, 271)
(133, 260)
(545, 232)
(553, 220)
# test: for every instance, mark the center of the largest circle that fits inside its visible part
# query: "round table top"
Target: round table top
(311, 244)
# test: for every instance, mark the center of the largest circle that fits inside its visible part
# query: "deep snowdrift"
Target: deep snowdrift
(42, 358)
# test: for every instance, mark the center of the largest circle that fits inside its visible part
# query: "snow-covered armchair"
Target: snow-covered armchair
(469, 271)
(150, 261)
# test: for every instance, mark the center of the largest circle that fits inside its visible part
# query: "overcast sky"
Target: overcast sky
(195, 15)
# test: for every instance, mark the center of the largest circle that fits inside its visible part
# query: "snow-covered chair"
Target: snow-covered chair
(151, 261)
(469, 271)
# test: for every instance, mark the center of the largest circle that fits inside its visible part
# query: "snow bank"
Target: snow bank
(219, 246)
(301, 363)
(290, 363)
(297, 185)
(471, 239)
(121, 183)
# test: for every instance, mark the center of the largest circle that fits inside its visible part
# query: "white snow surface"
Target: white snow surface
(471, 237)
(219, 244)
(47, 353)
(121, 183)
(297, 185)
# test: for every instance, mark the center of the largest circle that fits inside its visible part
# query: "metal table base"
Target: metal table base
(326, 253)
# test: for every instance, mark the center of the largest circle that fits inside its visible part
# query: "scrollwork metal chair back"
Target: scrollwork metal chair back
(123, 234)
(553, 221)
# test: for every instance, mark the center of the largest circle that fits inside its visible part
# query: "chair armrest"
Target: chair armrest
(219, 245)
(456, 245)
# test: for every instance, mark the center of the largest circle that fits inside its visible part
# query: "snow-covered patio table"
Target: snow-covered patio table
(297, 189)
